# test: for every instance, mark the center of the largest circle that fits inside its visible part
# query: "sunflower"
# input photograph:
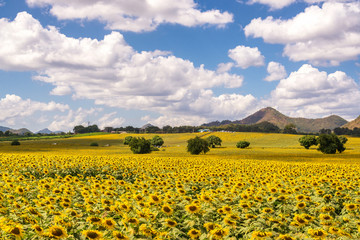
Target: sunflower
(301, 205)
(350, 206)
(92, 234)
(108, 223)
(39, 230)
(167, 210)
(120, 236)
(334, 230)
(170, 223)
(155, 199)
(325, 217)
(192, 208)
(211, 226)
(229, 221)
(267, 210)
(194, 233)
(57, 232)
(285, 237)
(219, 233)
(15, 230)
(94, 220)
(260, 235)
(227, 209)
(317, 233)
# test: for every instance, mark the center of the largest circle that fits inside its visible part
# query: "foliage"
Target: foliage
(197, 145)
(127, 140)
(290, 129)
(343, 139)
(90, 129)
(214, 141)
(94, 144)
(347, 131)
(242, 144)
(157, 141)
(330, 143)
(140, 145)
(15, 143)
(308, 141)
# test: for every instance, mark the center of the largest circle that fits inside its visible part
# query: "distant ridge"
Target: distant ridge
(20, 131)
(302, 124)
(353, 124)
(4, 129)
(45, 131)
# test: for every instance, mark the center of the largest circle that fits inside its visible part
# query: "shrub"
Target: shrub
(157, 141)
(127, 140)
(140, 145)
(94, 144)
(15, 143)
(197, 145)
(330, 143)
(214, 141)
(307, 141)
(242, 144)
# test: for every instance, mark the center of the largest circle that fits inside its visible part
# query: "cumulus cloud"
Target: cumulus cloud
(246, 56)
(309, 92)
(276, 72)
(276, 4)
(135, 15)
(224, 67)
(73, 118)
(273, 4)
(325, 35)
(110, 120)
(111, 72)
(13, 108)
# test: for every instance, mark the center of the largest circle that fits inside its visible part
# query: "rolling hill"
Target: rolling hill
(353, 124)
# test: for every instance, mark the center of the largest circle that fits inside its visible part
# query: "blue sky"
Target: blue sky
(175, 62)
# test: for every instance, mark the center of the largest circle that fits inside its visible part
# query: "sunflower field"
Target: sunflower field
(47, 195)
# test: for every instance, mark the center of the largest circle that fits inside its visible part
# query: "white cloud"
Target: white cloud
(13, 108)
(110, 120)
(246, 56)
(324, 35)
(135, 15)
(73, 118)
(224, 67)
(273, 4)
(276, 71)
(109, 71)
(311, 93)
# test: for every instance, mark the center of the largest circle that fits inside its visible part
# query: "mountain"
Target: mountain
(4, 129)
(20, 131)
(302, 124)
(45, 131)
(353, 124)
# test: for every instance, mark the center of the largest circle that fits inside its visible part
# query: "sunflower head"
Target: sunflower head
(92, 234)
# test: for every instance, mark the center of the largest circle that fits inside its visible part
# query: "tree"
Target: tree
(157, 141)
(127, 140)
(140, 145)
(330, 143)
(214, 141)
(78, 129)
(307, 141)
(343, 139)
(15, 143)
(290, 129)
(242, 144)
(325, 131)
(197, 145)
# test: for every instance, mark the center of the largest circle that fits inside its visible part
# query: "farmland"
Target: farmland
(275, 189)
